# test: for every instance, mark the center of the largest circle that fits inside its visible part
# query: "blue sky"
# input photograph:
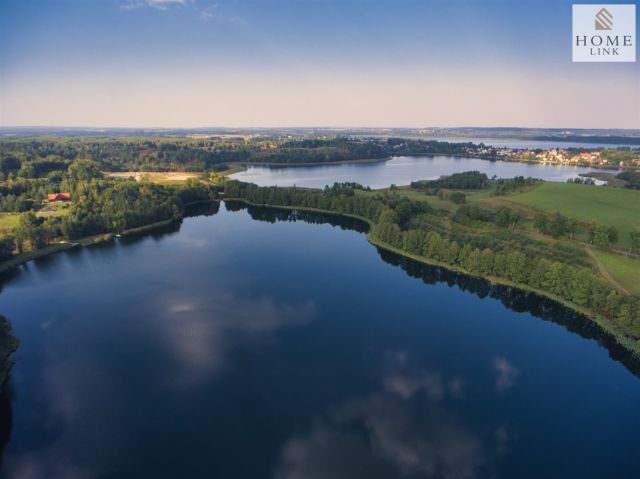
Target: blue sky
(301, 63)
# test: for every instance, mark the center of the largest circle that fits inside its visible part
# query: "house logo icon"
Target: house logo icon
(604, 20)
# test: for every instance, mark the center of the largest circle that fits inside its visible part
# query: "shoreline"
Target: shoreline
(245, 166)
(240, 167)
(603, 324)
(19, 260)
(23, 258)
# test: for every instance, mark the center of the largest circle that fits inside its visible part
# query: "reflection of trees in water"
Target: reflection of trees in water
(518, 301)
(50, 261)
(208, 208)
(6, 418)
(273, 215)
(513, 298)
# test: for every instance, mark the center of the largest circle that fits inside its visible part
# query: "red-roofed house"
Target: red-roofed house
(59, 196)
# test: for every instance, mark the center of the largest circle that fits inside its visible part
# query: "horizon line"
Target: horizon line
(325, 127)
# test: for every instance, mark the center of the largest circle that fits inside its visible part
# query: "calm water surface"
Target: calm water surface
(531, 144)
(244, 346)
(401, 171)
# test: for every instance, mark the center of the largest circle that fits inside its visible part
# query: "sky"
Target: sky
(287, 63)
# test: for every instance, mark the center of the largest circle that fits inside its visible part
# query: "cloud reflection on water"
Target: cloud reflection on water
(83, 431)
(200, 332)
(411, 427)
(506, 372)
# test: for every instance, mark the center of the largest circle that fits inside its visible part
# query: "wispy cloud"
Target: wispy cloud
(208, 12)
(157, 4)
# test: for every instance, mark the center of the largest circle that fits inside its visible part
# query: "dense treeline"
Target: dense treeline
(474, 180)
(468, 180)
(509, 185)
(39, 156)
(414, 228)
(632, 178)
(101, 205)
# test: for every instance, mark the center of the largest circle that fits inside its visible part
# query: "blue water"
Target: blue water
(248, 345)
(401, 171)
(530, 144)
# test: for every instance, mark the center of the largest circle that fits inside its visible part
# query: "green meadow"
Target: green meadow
(618, 207)
(625, 270)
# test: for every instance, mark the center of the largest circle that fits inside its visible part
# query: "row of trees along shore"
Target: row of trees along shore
(414, 228)
(36, 157)
(102, 205)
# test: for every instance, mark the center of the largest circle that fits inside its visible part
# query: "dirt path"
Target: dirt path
(604, 272)
(623, 252)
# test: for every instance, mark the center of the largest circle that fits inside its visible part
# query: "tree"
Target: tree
(457, 197)
(592, 228)
(84, 170)
(517, 267)
(7, 245)
(571, 226)
(634, 239)
(557, 225)
(601, 238)
(503, 217)
(29, 231)
(486, 261)
(540, 222)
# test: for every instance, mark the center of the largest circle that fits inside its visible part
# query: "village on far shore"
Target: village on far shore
(611, 157)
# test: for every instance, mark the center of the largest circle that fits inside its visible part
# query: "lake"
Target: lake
(400, 171)
(521, 144)
(257, 343)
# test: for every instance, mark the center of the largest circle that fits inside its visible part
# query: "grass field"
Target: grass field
(8, 221)
(623, 269)
(617, 207)
(163, 178)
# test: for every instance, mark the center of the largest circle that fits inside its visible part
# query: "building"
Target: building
(59, 197)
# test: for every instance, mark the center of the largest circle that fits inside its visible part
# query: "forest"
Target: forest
(24, 157)
(478, 239)
(98, 205)
(462, 242)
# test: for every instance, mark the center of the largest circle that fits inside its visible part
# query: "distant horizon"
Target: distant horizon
(282, 62)
(309, 127)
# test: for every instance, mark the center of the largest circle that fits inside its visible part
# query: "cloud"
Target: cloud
(208, 12)
(157, 4)
(507, 374)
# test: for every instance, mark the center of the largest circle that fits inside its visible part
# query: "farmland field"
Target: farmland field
(616, 207)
